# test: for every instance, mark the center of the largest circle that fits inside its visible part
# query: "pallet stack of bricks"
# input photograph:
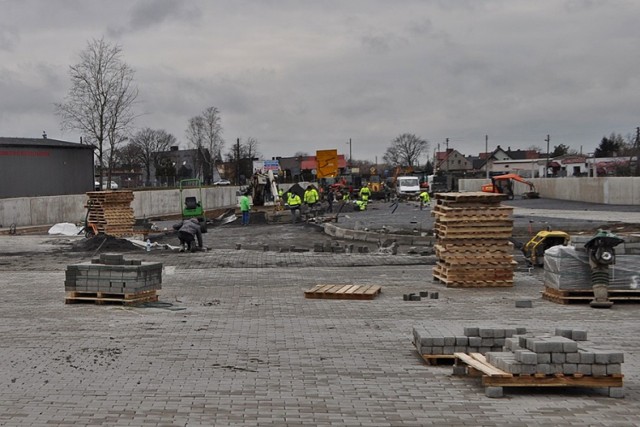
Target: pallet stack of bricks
(112, 274)
(111, 212)
(440, 342)
(472, 240)
(555, 355)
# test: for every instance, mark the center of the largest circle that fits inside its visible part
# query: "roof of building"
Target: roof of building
(311, 162)
(40, 142)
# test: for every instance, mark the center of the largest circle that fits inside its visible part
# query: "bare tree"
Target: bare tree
(204, 132)
(100, 101)
(246, 150)
(149, 145)
(406, 150)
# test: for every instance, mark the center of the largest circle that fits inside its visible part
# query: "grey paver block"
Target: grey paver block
(494, 392)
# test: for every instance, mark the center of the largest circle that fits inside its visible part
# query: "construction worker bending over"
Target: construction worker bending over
(365, 193)
(188, 231)
(424, 199)
(294, 202)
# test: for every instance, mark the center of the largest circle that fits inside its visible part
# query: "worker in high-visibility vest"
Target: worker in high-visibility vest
(311, 196)
(365, 193)
(424, 199)
(294, 202)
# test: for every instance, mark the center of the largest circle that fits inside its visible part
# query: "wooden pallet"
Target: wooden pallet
(473, 196)
(584, 296)
(482, 211)
(475, 280)
(359, 292)
(466, 246)
(438, 359)
(74, 297)
(478, 260)
(477, 366)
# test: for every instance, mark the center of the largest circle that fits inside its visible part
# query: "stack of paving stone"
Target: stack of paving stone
(567, 268)
(431, 341)
(112, 274)
(473, 247)
(111, 212)
(553, 355)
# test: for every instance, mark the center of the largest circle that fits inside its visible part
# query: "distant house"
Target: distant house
(507, 161)
(44, 167)
(452, 161)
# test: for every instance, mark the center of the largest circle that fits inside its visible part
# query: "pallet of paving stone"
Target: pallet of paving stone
(74, 297)
(354, 292)
(477, 366)
(584, 296)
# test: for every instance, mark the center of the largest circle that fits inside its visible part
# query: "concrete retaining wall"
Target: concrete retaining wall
(607, 190)
(30, 211)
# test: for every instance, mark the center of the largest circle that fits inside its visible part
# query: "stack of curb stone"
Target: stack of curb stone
(473, 247)
(559, 354)
(111, 212)
(114, 275)
(470, 340)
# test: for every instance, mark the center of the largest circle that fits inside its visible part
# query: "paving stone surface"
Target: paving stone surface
(238, 344)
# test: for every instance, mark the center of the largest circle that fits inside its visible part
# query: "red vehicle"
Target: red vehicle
(503, 184)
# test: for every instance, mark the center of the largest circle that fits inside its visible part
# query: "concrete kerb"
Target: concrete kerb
(369, 236)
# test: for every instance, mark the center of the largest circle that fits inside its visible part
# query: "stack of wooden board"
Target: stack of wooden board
(473, 247)
(111, 212)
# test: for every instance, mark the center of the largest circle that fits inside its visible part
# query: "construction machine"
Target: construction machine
(534, 249)
(190, 205)
(504, 184)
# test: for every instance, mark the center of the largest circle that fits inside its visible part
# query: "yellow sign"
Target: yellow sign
(327, 163)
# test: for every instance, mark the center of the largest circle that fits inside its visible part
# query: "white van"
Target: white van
(407, 187)
(96, 185)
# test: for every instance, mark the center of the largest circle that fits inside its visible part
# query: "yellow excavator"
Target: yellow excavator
(503, 184)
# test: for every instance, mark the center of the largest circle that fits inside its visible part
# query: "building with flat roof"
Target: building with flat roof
(32, 167)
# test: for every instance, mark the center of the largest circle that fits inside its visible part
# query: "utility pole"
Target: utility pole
(638, 151)
(447, 154)
(486, 154)
(350, 155)
(546, 166)
(238, 161)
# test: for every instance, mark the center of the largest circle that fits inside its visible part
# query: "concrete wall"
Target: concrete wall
(607, 190)
(26, 211)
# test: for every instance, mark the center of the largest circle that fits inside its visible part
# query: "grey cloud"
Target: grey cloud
(9, 38)
(146, 14)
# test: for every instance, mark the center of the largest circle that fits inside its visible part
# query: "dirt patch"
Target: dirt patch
(104, 244)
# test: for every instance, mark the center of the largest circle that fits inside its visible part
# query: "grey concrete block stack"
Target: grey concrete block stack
(111, 273)
(433, 341)
(567, 268)
(555, 354)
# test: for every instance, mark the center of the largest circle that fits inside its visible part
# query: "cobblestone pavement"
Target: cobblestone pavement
(240, 345)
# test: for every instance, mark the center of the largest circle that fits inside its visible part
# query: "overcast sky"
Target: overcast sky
(308, 75)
